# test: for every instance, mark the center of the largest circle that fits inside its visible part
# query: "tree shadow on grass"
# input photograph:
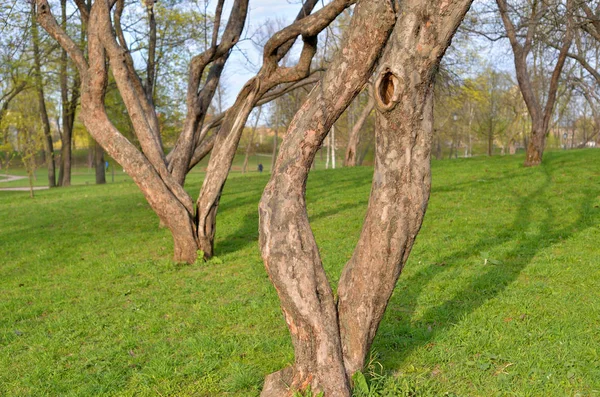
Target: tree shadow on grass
(320, 192)
(247, 231)
(399, 335)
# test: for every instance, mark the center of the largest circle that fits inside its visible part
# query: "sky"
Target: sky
(246, 59)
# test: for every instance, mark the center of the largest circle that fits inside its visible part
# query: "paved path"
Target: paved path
(10, 178)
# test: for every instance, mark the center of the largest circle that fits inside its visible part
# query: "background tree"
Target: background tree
(161, 176)
(43, 111)
(533, 21)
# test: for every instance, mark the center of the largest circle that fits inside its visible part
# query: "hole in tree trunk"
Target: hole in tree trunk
(387, 87)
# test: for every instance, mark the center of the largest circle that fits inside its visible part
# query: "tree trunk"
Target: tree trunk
(536, 145)
(290, 253)
(99, 164)
(269, 76)
(168, 200)
(350, 159)
(399, 194)
(48, 146)
(220, 162)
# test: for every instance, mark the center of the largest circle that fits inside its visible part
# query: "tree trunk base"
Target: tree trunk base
(206, 246)
(533, 158)
(185, 249)
(534, 162)
(278, 383)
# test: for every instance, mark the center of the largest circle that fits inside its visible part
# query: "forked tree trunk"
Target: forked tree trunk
(161, 177)
(172, 205)
(331, 342)
(288, 247)
(540, 114)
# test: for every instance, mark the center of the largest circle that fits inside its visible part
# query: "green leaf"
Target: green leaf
(360, 383)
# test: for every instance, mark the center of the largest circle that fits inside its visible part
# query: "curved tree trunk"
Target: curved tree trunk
(288, 247)
(399, 194)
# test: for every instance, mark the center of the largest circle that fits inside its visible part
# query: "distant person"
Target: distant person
(260, 167)
(106, 165)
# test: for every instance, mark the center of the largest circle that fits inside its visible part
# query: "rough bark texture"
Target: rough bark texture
(351, 157)
(288, 247)
(172, 205)
(401, 184)
(198, 100)
(540, 114)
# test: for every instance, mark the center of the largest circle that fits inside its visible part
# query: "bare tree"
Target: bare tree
(331, 341)
(159, 176)
(521, 35)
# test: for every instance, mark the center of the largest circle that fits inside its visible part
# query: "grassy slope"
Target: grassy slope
(500, 296)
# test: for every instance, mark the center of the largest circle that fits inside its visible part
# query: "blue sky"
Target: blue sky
(246, 59)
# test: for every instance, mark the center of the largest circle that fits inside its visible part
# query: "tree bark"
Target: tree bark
(198, 100)
(287, 244)
(399, 194)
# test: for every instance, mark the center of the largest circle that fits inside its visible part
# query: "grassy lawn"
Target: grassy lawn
(84, 175)
(500, 297)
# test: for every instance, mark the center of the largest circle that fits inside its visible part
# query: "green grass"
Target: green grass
(500, 296)
(84, 175)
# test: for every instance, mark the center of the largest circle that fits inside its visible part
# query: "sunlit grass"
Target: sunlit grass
(500, 295)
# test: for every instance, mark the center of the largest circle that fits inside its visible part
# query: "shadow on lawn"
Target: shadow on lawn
(398, 337)
(321, 192)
